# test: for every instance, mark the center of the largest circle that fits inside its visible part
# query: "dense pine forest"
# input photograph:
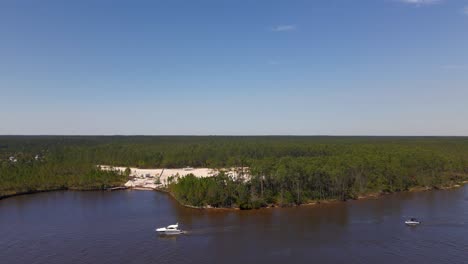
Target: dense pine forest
(286, 170)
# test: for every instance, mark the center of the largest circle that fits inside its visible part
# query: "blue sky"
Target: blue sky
(367, 67)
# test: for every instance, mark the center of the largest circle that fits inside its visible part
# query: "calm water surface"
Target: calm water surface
(118, 227)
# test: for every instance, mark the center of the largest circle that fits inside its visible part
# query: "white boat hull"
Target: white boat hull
(412, 223)
(170, 230)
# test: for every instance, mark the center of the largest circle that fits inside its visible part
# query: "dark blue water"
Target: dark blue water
(118, 227)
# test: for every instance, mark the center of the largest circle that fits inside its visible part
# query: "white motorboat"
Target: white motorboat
(412, 222)
(170, 230)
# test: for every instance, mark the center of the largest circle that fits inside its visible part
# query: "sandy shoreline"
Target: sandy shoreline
(158, 179)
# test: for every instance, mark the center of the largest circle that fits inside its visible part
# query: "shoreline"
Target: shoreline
(5, 196)
(160, 179)
(312, 203)
(8, 195)
(368, 196)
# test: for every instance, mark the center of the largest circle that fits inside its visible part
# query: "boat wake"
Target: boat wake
(213, 230)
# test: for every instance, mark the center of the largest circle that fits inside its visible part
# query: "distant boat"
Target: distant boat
(412, 222)
(170, 230)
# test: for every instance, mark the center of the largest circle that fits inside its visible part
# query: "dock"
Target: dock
(118, 188)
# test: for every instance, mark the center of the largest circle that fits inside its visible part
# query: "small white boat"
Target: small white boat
(412, 222)
(170, 230)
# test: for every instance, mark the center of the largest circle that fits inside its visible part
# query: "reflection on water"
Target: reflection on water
(118, 227)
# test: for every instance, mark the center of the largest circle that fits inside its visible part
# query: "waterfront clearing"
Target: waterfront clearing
(158, 178)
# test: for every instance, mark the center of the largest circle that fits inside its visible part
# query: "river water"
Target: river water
(118, 227)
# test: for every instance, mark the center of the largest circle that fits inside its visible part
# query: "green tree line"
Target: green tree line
(285, 169)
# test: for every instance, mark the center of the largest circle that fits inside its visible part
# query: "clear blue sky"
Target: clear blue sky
(367, 67)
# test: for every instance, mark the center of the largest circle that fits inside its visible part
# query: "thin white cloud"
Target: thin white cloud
(420, 2)
(282, 28)
(465, 10)
(454, 67)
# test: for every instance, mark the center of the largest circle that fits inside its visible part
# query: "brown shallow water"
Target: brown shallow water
(118, 227)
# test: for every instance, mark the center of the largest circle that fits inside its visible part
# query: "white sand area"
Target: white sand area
(159, 178)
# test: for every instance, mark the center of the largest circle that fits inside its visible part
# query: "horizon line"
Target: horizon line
(219, 135)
